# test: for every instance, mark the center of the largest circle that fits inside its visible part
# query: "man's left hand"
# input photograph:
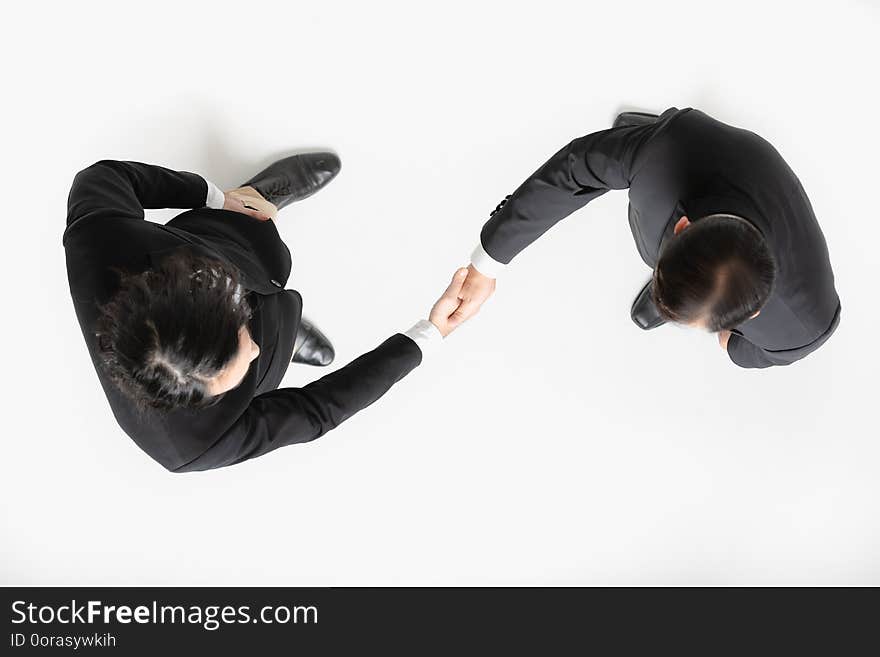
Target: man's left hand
(247, 200)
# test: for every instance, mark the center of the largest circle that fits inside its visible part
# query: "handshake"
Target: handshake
(461, 300)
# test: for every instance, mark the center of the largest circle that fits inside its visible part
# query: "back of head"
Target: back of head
(167, 331)
(718, 272)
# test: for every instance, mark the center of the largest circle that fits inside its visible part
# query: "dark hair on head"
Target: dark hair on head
(718, 271)
(170, 329)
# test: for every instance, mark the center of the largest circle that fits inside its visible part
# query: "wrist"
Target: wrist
(215, 198)
(437, 324)
(485, 264)
(426, 335)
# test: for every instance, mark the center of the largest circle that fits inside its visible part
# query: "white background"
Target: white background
(550, 441)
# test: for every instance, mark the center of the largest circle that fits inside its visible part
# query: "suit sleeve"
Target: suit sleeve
(750, 356)
(583, 170)
(110, 190)
(297, 415)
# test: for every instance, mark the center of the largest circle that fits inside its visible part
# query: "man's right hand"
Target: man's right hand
(445, 315)
(476, 289)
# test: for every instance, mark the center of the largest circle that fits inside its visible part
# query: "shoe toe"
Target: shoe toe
(311, 346)
(644, 312)
(325, 355)
(324, 167)
(647, 321)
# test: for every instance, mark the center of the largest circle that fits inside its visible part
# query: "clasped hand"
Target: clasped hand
(462, 299)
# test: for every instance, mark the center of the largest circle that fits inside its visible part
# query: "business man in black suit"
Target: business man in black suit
(189, 324)
(713, 209)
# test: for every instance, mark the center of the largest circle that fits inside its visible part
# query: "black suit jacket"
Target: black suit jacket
(689, 163)
(106, 230)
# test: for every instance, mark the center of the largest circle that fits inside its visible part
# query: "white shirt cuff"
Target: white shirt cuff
(216, 198)
(486, 264)
(426, 336)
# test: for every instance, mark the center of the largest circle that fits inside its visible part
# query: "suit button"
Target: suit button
(274, 282)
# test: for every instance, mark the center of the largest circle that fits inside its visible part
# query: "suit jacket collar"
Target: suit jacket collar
(736, 204)
(258, 253)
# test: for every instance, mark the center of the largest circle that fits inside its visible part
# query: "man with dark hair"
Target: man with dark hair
(189, 324)
(714, 210)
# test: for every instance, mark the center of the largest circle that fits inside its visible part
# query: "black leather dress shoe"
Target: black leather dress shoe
(634, 118)
(644, 313)
(312, 347)
(295, 178)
